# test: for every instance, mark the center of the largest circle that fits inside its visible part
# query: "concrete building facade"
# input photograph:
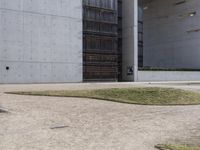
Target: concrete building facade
(41, 41)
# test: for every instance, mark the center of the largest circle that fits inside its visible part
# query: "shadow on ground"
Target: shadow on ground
(3, 111)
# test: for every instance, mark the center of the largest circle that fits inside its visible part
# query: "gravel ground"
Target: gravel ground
(51, 123)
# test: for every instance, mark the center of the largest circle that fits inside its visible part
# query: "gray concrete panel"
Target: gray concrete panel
(157, 76)
(40, 41)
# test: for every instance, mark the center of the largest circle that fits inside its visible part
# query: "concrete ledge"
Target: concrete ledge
(146, 76)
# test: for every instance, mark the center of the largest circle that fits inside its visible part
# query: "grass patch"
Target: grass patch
(176, 147)
(143, 96)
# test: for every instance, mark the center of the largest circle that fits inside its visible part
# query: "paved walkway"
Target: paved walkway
(50, 123)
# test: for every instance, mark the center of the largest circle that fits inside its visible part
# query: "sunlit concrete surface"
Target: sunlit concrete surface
(40, 41)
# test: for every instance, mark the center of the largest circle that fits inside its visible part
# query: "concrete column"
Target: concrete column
(130, 40)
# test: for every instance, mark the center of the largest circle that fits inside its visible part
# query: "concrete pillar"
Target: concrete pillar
(130, 40)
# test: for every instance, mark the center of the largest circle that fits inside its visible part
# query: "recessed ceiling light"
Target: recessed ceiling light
(192, 14)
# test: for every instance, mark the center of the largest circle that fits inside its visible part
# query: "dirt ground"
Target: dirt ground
(51, 123)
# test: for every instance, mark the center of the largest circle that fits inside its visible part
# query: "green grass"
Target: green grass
(143, 96)
(176, 147)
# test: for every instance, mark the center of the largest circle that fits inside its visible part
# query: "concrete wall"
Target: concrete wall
(40, 41)
(171, 35)
(129, 40)
(153, 76)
